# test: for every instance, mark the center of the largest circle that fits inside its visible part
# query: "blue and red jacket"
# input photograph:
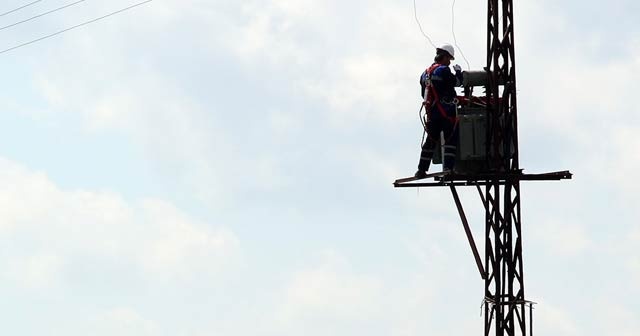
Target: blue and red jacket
(438, 85)
(442, 80)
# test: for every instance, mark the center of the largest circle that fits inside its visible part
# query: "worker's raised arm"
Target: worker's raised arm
(445, 82)
(458, 69)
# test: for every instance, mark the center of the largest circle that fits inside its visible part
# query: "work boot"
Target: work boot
(420, 174)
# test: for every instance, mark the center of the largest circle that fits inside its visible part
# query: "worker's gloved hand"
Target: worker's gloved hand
(457, 68)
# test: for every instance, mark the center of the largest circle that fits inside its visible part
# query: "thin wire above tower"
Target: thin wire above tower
(488, 159)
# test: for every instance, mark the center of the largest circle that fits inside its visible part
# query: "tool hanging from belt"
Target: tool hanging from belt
(438, 103)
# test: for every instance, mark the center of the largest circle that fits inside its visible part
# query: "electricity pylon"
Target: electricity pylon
(490, 123)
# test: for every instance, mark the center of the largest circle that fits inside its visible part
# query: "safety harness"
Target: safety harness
(432, 95)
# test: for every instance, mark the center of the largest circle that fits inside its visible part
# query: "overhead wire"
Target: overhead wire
(453, 32)
(19, 8)
(415, 14)
(74, 27)
(42, 14)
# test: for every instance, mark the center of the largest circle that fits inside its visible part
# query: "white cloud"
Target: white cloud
(562, 238)
(146, 100)
(355, 65)
(54, 231)
(332, 297)
(279, 31)
(550, 319)
(176, 244)
(123, 321)
(365, 86)
(38, 271)
(623, 154)
(330, 290)
(630, 248)
(361, 61)
(620, 318)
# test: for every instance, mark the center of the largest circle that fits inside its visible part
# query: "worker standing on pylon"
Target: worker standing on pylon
(438, 90)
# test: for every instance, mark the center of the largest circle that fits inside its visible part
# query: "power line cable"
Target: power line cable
(453, 31)
(41, 15)
(415, 14)
(19, 8)
(74, 27)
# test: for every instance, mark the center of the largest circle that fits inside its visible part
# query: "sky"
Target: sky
(225, 168)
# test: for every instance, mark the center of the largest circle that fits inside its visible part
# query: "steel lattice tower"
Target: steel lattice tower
(504, 281)
(506, 311)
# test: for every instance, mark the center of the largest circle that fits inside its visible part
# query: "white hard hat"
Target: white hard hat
(448, 48)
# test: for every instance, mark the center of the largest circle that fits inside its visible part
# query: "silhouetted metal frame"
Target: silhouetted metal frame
(467, 230)
(504, 285)
(503, 271)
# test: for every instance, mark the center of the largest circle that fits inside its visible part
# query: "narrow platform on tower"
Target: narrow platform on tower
(472, 164)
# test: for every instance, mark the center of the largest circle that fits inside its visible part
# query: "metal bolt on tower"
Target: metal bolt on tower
(496, 176)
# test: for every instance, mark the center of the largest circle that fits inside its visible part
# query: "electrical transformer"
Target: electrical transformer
(472, 129)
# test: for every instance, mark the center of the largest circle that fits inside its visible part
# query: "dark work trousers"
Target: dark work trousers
(438, 123)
